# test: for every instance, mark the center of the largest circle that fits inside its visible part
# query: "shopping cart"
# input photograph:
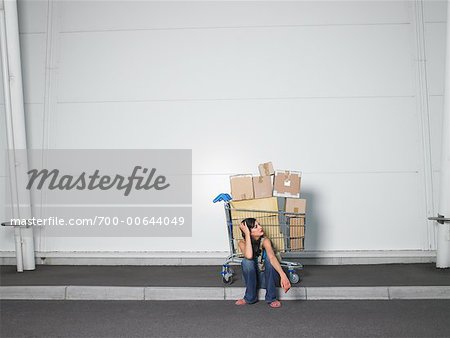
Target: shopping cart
(286, 231)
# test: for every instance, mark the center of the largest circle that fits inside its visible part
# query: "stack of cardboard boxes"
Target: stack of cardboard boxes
(271, 191)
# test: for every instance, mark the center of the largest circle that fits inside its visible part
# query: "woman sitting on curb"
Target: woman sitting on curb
(260, 265)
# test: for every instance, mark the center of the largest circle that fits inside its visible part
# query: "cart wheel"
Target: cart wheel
(227, 279)
(294, 278)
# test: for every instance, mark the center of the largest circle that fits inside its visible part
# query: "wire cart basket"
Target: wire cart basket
(285, 230)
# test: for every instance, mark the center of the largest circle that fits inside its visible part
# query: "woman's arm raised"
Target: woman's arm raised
(246, 244)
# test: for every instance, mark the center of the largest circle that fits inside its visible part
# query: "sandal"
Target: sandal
(275, 304)
(241, 302)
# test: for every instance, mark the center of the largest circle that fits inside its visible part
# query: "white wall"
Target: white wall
(328, 88)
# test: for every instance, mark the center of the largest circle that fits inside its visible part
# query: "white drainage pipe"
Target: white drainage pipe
(16, 132)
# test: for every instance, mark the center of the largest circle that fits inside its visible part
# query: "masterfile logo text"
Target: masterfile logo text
(108, 176)
(54, 180)
(103, 192)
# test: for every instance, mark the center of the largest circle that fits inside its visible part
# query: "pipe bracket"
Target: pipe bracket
(440, 219)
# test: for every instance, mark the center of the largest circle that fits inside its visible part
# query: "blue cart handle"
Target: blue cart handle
(222, 198)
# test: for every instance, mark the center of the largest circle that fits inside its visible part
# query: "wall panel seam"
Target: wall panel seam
(232, 27)
(242, 99)
(420, 64)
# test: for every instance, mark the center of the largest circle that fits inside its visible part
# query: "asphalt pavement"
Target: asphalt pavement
(406, 318)
(197, 276)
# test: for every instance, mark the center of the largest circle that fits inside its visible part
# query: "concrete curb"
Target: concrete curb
(218, 293)
(33, 292)
(184, 293)
(104, 293)
(338, 293)
(419, 292)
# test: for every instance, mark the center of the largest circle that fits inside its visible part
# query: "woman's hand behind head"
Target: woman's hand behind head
(244, 228)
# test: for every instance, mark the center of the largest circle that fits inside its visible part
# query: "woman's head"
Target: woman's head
(256, 231)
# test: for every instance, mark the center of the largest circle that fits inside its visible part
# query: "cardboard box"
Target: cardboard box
(296, 205)
(266, 204)
(296, 244)
(277, 243)
(300, 221)
(266, 169)
(270, 231)
(262, 186)
(241, 187)
(239, 212)
(269, 224)
(287, 183)
(269, 221)
(297, 231)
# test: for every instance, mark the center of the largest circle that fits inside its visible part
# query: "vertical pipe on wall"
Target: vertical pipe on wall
(16, 131)
(443, 248)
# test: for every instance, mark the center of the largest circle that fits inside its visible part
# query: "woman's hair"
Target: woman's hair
(251, 223)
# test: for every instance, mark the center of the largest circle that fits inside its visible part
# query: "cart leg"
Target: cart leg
(227, 274)
(294, 278)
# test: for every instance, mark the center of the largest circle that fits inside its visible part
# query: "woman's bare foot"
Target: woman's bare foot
(275, 304)
(240, 302)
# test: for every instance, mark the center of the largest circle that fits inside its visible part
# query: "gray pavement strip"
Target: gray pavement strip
(33, 292)
(298, 293)
(235, 293)
(218, 293)
(335, 293)
(419, 292)
(104, 293)
(184, 293)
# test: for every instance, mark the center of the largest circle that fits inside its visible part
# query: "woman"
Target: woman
(259, 265)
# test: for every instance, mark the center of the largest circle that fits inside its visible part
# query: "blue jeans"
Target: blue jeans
(265, 280)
